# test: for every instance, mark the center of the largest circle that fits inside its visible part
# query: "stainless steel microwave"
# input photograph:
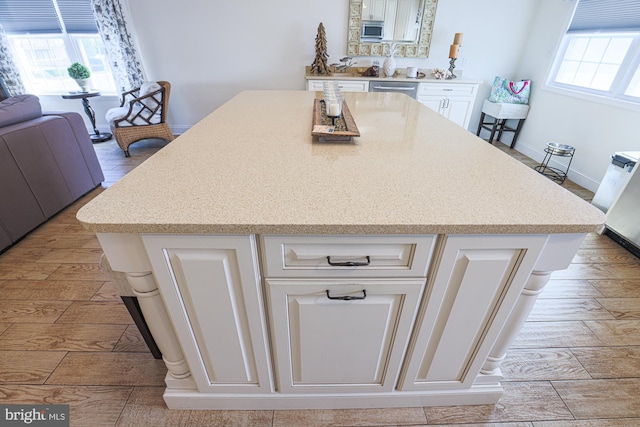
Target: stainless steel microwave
(372, 30)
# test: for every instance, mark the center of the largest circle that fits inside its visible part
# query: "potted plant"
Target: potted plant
(80, 74)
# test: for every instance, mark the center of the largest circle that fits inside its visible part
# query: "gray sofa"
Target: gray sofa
(47, 162)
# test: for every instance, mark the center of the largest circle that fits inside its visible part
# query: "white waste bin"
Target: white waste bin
(618, 172)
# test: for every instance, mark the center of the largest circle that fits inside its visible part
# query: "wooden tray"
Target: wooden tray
(344, 129)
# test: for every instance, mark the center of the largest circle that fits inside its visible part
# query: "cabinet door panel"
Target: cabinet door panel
(324, 345)
(212, 291)
(213, 303)
(479, 278)
(323, 333)
(433, 102)
(459, 110)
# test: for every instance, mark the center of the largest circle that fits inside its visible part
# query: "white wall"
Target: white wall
(213, 49)
(210, 50)
(596, 130)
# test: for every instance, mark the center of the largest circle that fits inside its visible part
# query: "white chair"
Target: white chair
(501, 112)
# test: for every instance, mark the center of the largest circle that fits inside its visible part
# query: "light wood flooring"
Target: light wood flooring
(65, 337)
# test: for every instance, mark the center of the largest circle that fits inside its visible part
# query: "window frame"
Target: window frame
(75, 52)
(620, 83)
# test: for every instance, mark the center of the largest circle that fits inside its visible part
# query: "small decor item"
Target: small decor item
(440, 73)
(343, 130)
(332, 120)
(373, 71)
(347, 62)
(453, 54)
(333, 101)
(319, 65)
(80, 74)
(510, 92)
(389, 64)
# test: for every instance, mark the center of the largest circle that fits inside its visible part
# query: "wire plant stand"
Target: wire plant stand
(560, 150)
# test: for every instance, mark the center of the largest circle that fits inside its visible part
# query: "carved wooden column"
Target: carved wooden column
(145, 288)
(519, 315)
(125, 253)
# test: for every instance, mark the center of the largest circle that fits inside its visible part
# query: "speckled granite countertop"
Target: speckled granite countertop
(252, 166)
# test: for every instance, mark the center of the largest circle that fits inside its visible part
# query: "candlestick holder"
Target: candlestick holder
(452, 66)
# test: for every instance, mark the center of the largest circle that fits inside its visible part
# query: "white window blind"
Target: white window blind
(47, 16)
(606, 16)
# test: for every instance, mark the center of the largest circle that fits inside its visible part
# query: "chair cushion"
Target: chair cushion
(19, 108)
(501, 110)
(116, 113)
(145, 89)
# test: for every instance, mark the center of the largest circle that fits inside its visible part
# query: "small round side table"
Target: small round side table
(84, 96)
(555, 149)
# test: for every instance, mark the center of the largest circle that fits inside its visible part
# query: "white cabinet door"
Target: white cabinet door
(452, 100)
(211, 288)
(477, 282)
(373, 10)
(435, 102)
(328, 345)
(456, 109)
(459, 110)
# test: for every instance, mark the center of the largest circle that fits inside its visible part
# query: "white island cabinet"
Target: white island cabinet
(289, 273)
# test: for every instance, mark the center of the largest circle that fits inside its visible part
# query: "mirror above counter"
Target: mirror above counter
(373, 24)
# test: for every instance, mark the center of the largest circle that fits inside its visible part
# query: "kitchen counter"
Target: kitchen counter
(410, 171)
(399, 76)
(278, 272)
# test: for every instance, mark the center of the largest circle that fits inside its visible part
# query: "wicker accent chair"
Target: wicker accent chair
(142, 114)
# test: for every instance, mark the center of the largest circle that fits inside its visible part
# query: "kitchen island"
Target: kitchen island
(276, 271)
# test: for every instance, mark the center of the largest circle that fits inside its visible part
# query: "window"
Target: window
(600, 53)
(47, 36)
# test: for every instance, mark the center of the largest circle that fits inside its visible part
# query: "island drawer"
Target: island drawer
(347, 256)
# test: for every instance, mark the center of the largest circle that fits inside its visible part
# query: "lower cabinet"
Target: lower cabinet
(211, 288)
(454, 101)
(469, 298)
(337, 336)
(342, 332)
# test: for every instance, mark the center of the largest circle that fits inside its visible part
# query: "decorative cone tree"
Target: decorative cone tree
(319, 65)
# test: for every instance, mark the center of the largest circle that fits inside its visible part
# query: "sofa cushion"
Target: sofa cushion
(19, 108)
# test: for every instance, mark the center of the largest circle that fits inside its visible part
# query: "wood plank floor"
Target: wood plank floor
(65, 337)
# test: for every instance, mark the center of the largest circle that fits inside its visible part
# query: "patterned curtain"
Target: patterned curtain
(125, 63)
(9, 74)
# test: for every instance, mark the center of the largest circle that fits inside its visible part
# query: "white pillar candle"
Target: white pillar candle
(334, 109)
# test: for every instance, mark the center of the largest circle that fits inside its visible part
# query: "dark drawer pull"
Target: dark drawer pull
(349, 263)
(348, 297)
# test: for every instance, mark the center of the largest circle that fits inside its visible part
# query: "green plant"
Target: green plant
(78, 71)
